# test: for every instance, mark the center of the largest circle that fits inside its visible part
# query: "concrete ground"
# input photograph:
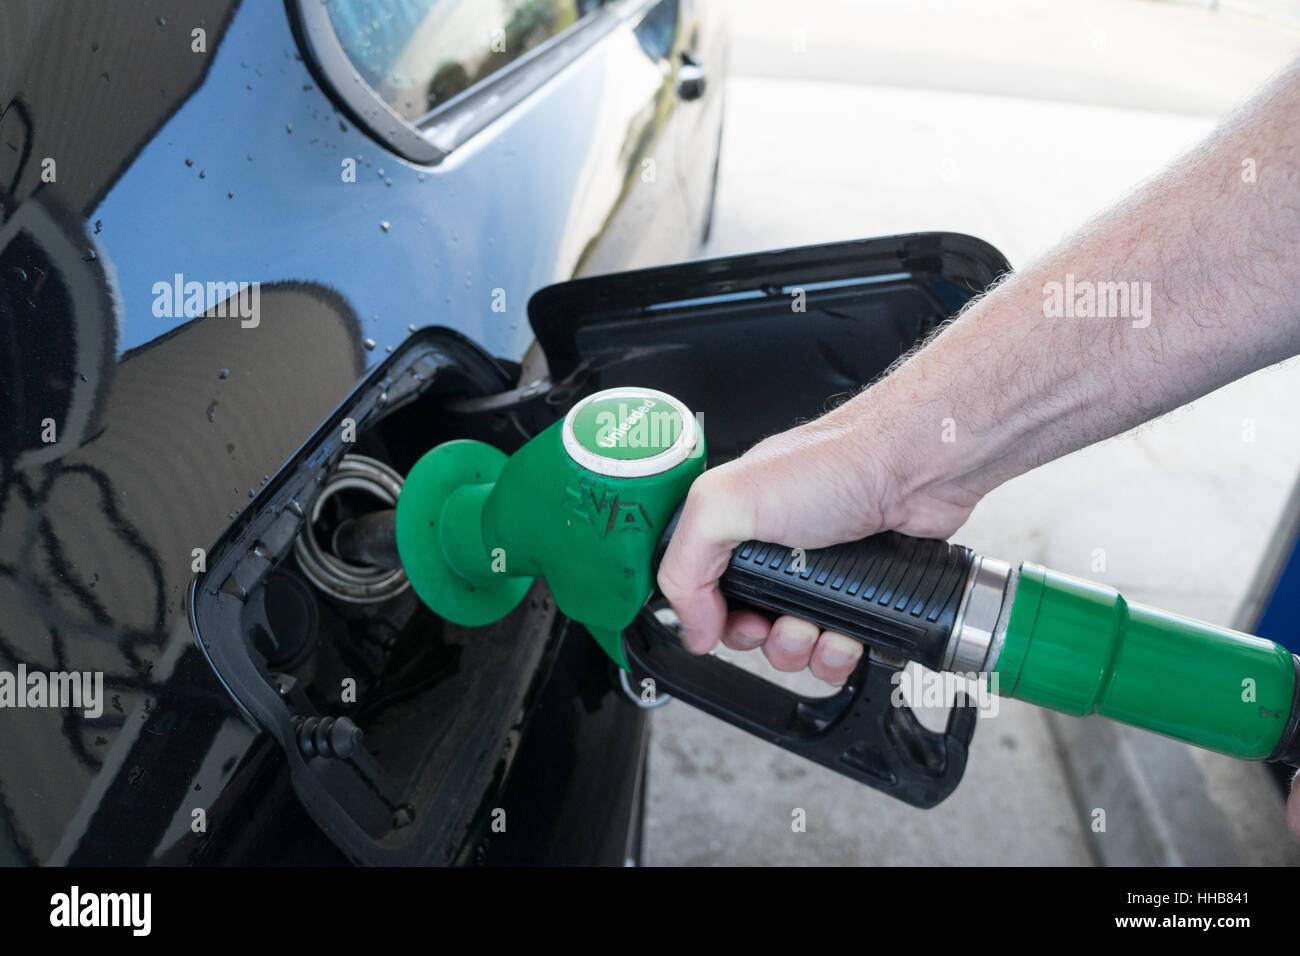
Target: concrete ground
(1012, 121)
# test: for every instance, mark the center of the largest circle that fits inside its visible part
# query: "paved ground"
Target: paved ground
(1012, 121)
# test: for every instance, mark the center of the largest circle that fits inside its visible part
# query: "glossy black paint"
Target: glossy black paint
(127, 159)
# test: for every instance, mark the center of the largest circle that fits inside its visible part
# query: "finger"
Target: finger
(745, 630)
(834, 658)
(790, 644)
(709, 528)
(703, 614)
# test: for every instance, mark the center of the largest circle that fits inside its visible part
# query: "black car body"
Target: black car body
(151, 144)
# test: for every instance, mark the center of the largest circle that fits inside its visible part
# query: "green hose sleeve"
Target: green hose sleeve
(1081, 648)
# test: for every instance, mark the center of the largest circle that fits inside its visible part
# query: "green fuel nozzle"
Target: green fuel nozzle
(582, 504)
(588, 505)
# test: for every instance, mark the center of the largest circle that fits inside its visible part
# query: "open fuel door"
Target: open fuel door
(759, 342)
(754, 344)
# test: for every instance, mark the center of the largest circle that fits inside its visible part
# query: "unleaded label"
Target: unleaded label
(630, 432)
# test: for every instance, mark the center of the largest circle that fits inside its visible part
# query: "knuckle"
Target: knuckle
(667, 580)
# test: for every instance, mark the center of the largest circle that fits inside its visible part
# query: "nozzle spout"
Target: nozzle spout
(370, 539)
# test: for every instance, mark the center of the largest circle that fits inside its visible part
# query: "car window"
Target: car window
(418, 54)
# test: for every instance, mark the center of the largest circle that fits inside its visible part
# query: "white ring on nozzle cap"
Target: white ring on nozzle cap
(682, 448)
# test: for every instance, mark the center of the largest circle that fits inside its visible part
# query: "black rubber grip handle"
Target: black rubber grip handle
(897, 593)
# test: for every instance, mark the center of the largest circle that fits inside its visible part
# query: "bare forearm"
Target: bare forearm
(1203, 265)
(1011, 384)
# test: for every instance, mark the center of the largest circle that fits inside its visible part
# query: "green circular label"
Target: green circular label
(627, 426)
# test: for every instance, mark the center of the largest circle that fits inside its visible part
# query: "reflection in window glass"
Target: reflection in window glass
(417, 54)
